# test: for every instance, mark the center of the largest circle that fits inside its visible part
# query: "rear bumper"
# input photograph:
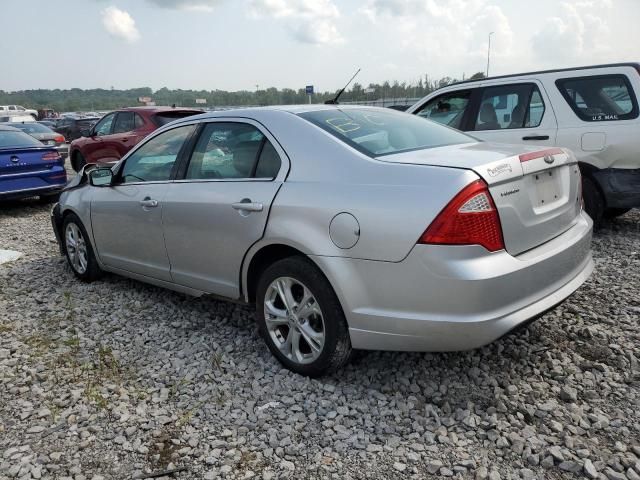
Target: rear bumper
(447, 298)
(28, 184)
(621, 187)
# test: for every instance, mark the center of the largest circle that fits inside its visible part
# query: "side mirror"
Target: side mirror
(101, 177)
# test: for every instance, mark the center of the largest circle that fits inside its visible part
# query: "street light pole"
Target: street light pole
(489, 53)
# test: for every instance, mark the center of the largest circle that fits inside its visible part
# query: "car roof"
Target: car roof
(158, 109)
(294, 109)
(540, 72)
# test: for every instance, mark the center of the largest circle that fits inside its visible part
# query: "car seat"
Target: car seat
(488, 120)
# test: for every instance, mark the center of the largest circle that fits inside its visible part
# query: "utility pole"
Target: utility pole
(489, 53)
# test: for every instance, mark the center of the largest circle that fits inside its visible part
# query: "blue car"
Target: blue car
(28, 168)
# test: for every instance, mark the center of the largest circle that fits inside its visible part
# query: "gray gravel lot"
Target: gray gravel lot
(118, 380)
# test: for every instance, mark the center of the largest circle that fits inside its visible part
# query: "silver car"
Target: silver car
(347, 227)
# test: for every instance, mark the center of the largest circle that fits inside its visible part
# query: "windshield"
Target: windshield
(32, 127)
(10, 139)
(377, 132)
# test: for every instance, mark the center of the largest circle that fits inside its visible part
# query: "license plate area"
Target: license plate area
(549, 188)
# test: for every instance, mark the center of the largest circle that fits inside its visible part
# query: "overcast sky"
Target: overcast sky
(238, 44)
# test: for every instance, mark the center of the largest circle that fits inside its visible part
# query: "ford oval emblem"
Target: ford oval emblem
(15, 159)
(548, 159)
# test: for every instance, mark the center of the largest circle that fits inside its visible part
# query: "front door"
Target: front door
(220, 207)
(100, 147)
(126, 218)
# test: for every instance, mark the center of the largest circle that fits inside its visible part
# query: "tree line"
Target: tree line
(76, 99)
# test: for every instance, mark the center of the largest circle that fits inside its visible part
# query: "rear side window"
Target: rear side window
(510, 106)
(139, 122)
(231, 150)
(601, 98)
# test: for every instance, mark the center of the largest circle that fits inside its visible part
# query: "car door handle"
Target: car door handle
(248, 206)
(536, 137)
(125, 139)
(149, 203)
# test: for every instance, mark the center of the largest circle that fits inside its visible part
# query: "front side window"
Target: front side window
(154, 160)
(447, 109)
(376, 132)
(124, 122)
(510, 106)
(103, 127)
(232, 150)
(601, 98)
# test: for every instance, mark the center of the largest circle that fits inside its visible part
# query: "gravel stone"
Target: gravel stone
(117, 379)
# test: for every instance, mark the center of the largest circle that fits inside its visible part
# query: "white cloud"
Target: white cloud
(202, 5)
(579, 34)
(120, 24)
(309, 21)
(453, 34)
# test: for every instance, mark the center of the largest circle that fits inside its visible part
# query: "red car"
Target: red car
(117, 132)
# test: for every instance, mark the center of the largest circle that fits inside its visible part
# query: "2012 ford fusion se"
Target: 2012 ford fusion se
(347, 227)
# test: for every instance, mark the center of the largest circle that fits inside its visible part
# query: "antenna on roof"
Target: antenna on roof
(334, 101)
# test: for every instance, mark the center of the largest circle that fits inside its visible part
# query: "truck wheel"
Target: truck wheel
(593, 200)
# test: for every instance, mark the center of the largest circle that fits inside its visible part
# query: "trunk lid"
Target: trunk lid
(26, 160)
(536, 190)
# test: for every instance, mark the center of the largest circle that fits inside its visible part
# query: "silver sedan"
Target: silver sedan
(347, 227)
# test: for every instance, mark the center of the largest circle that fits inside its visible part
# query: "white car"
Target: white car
(17, 110)
(590, 110)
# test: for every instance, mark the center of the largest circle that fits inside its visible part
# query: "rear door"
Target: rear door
(517, 113)
(124, 136)
(220, 206)
(126, 218)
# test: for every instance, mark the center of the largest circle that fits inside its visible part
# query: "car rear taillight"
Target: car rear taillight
(471, 218)
(59, 139)
(51, 157)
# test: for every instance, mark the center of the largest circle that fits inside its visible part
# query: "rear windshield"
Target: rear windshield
(9, 139)
(377, 132)
(32, 127)
(163, 118)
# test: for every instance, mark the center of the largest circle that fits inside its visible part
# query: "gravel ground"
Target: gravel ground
(118, 380)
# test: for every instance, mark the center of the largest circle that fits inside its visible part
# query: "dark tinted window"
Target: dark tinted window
(139, 122)
(124, 122)
(602, 98)
(447, 109)
(269, 162)
(166, 117)
(510, 106)
(377, 132)
(9, 139)
(227, 150)
(154, 160)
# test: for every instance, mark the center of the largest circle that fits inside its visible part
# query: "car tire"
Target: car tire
(292, 329)
(611, 213)
(78, 161)
(593, 200)
(78, 249)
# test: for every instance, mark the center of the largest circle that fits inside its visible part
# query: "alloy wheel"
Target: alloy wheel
(76, 248)
(294, 320)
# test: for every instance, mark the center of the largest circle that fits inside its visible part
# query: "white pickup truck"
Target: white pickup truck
(17, 110)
